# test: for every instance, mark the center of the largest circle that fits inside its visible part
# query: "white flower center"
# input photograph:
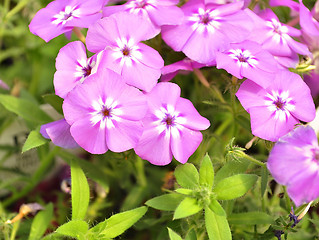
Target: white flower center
(280, 103)
(169, 121)
(126, 51)
(138, 6)
(84, 68)
(64, 16)
(277, 31)
(205, 20)
(243, 57)
(105, 113)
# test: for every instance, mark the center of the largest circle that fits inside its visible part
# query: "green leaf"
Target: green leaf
(187, 176)
(217, 208)
(264, 180)
(135, 198)
(231, 168)
(234, 187)
(41, 222)
(250, 218)
(34, 140)
(74, 228)
(173, 235)
(55, 101)
(206, 172)
(166, 202)
(191, 235)
(187, 207)
(80, 192)
(119, 223)
(217, 226)
(25, 109)
(184, 191)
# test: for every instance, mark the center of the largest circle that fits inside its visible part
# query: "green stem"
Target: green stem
(15, 230)
(36, 178)
(253, 160)
(139, 165)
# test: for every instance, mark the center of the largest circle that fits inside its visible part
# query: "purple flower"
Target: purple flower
(171, 126)
(60, 16)
(288, 3)
(3, 85)
(157, 12)
(207, 28)
(275, 109)
(119, 36)
(59, 133)
(275, 36)
(310, 27)
(105, 113)
(248, 59)
(73, 67)
(294, 162)
(312, 80)
(185, 66)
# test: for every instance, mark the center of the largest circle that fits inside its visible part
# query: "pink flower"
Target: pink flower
(120, 37)
(275, 36)
(59, 133)
(248, 59)
(171, 126)
(73, 67)
(157, 12)
(105, 113)
(60, 16)
(294, 162)
(206, 29)
(277, 107)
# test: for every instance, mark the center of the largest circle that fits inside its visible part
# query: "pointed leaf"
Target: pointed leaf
(166, 202)
(80, 192)
(41, 222)
(234, 187)
(25, 109)
(173, 235)
(231, 168)
(187, 207)
(217, 226)
(217, 208)
(119, 223)
(187, 176)
(206, 172)
(55, 101)
(250, 218)
(184, 191)
(34, 140)
(191, 235)
(74, 228)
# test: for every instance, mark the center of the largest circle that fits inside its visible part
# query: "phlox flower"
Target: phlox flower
(294, 162)
(157, 12)
(248, 59)
(277, 107)
(184, 66)
(3, 85)
(105, 113)
(312, 80)
(171, 126)
(73, 67)
(275, 36)
(59, 133)
(60, 16)
(309, 27)
(206, 29)
(120, 37)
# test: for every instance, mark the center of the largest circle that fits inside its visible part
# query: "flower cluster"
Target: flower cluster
(113, 100)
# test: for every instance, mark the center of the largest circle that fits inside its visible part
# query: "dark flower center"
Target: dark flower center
(67, 16)
(242, 58)
(106, 112)
(141, 4)
(316, 154)
(126, 51)
(87, 71)
(205, 19)
(169, 120)
(279, 104)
